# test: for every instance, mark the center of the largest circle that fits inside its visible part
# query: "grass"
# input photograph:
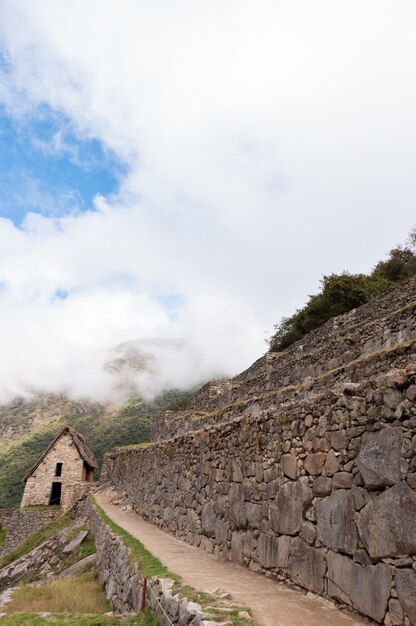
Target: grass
(3, 533)
(149, 565)
(47, 531)
(73, 619)
(208, 601)
(42, 507)
(79, 594)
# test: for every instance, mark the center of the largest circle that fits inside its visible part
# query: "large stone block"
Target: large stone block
(307, 566)
(387, 524)
(267, 550)
(286, 512)
(406, 590)
(366, 588)
(273, 552)
(335, 521)
(208, 520)
(379, 457)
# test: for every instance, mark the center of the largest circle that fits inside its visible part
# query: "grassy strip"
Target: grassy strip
(73, 619)
(38, 537)
(149, 565)
(80, 594)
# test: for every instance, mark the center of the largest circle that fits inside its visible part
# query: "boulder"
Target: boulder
(366, 588)
(314, 463)
(286, 512)
(288, 464)
(335, 521)
(387, 524)
(307, 566)
(406, 590)
(273, 552)
(379, 457)
(208, 520)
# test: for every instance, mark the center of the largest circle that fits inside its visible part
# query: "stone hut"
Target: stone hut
(63, 474)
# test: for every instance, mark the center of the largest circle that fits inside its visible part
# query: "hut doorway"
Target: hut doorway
(55, 494)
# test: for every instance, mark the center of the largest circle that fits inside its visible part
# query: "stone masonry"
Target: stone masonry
(75, 473)
(304, 466)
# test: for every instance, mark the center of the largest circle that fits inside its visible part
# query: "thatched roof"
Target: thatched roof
(80, 444)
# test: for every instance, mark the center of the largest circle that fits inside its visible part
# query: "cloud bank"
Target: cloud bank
(264, 144)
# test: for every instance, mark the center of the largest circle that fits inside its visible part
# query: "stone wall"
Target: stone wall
(22, 523)
(386, 321)
(39, 484)
(123, 583)
(316, 487)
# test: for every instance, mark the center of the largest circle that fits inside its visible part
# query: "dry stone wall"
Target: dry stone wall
(383, 323)
(124, 585)
(21, 523)
(319, 490)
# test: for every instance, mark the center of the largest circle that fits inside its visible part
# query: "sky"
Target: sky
(181, 174)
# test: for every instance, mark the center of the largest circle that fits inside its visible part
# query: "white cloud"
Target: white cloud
(267, 143)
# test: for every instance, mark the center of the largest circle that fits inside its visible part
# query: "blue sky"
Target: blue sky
(45, 168)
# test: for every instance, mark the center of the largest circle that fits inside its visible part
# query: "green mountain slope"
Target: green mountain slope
(28, 427)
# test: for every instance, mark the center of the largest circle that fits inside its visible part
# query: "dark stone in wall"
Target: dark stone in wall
(335, 521)
(307, 566)
(366, 588)
(406, 590)
(286, 513)
(387, 524)
(379, 457)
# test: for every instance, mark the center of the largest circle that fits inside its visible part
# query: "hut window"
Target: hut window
(58, 469)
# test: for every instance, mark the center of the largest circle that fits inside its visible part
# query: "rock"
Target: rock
(208, 520)
(392, 398)
(406, 586)
(307, 566)
(351, 389)
(286, 514)
(342, 480)
(254, 514)
(387, 524)
(75, 542)
(335, 522)
(284, 544)
(361, 557)
(308, 532)
(366, 588)
(79, 566)
(361, 497)
(288, 464)
(314, 463)
(379, 457)
(396, 612)
(322, 486)
(338, 440)
(237, 546)
(331, 463)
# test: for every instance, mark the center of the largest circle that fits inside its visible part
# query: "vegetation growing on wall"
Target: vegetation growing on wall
(342, 292)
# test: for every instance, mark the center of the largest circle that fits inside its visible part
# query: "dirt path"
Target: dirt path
(271, 602)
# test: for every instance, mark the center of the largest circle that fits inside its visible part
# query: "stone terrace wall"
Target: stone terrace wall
(320, 491)
(375, 368)
(383, 323)
(22, 523)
